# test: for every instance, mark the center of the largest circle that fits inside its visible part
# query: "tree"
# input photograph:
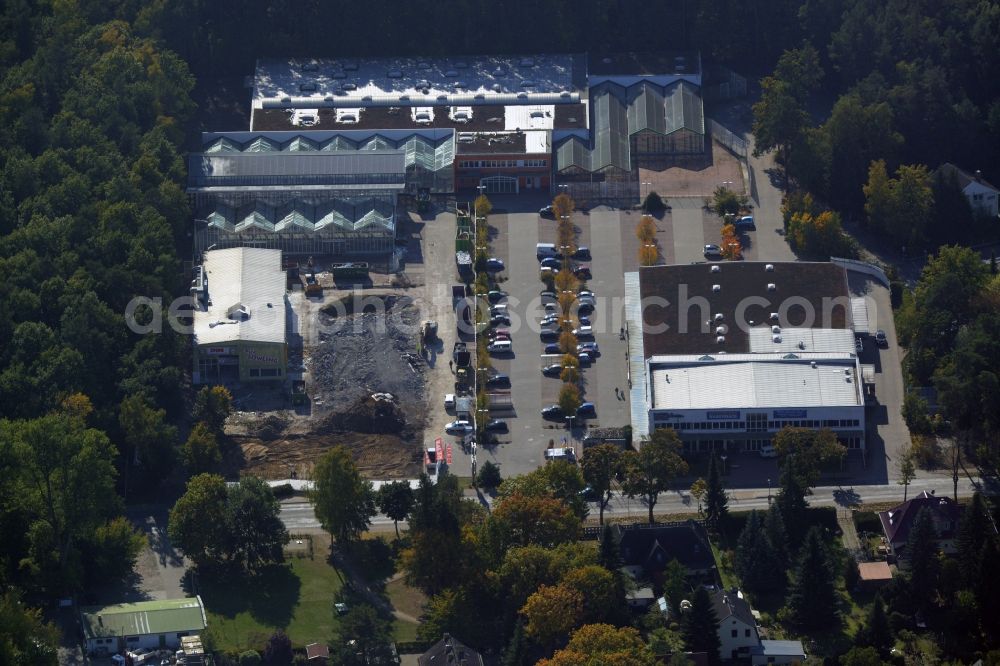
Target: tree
(790, 501)
(876, 632)
(812, 599)
(916, 413)
(344, 502)
(861, 656)
(201, 450)
(649, 254)
(701, 626)
(395, 500)
(110, 553)
(800, 69)
(364, 637)
(649, 471)
(249, 658)
(727, 202)
(601, 465)
(716, 499)
(569, 398)
(516, 652)
(778, 118)
(907, 472)
(774, 526)
(732, 249)
(653, 203)
(482, 206)
(807, 451)
(754, 561)
(255, 534)
(213, 404)
(609, 555)
(878, 196)
(25, 639)
(912, 203)
(150, 439)
(975, 530)
(675, 585)
(278, 651)
(559, 479)
(522, 520)
(699, 490)
(922, 556)
(602, 593)
(551, 612)
(195, 520)
(645, 231)
(489, 476)
(596, 644)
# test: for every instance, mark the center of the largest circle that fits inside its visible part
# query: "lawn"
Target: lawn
(405, 599)
(297, 596)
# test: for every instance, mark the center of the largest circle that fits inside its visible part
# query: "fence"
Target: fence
(863, 267)
(594, 533)
(734, 86)
(734, 144)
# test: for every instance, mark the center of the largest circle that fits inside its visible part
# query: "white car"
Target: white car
(458, 428)
(449, 400)
(583, 331)
(767, 451)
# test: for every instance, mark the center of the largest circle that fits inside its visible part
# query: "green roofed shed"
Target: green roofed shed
(149, 624)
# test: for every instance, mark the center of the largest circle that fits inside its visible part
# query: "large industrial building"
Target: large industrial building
(727, 354)
(239, 320)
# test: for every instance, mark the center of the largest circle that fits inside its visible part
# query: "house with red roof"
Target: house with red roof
(899, 520)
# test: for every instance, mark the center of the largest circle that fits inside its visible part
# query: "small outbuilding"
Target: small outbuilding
(317, 653)
(777, 652)
(873, 575)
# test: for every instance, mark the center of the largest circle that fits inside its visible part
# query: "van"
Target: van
(499, 347)
(545, 250)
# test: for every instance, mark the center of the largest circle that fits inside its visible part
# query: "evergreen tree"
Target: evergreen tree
(609, 556)
(973, 532)
(922, 555)
(774, 526)
(791, 501)
(515, 654)
(876, 632)
(812, 600)
(701, 626)
(754, 560)
(716, 500)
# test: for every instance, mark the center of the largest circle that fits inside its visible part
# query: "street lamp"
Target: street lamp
(644, 186)
(727, 183)
(723, 458)
(769, 491)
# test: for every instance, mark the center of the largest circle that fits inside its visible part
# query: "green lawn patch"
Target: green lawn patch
(243, 611)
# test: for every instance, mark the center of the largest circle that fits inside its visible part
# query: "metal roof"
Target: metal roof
(779, 649)
(143, 617)
(573, 153)
(684, 108)
(752, 381)
(764, 340)
(246, 296)
(646, 109)
(206, 170)
(859, 315)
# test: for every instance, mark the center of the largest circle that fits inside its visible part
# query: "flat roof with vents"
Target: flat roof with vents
(679, 305)
(246, 297)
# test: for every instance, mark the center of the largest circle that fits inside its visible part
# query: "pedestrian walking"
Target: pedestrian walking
(621, 334)
(451, 366)
(616, 391)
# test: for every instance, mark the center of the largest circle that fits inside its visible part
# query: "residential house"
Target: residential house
(777, 652)
(152, 625)
(737, 626)
(641, 598)
(450, 650)
(647, 549)
(981, 195)
(898, 521)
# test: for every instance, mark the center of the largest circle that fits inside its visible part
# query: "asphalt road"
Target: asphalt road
(298, 516)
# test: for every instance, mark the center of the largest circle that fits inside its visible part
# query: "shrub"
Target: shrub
(284, 491)
(250, 658)
(653, 203)
(925, 450)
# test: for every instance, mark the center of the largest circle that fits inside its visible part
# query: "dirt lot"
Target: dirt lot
(698, 177)
(365, 376)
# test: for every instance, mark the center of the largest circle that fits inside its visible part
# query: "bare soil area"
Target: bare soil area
(366, 381)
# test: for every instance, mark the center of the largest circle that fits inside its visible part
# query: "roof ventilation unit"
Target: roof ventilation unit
(802, 345)
(338, 75)
(771, 286)
(776, 329)
(721, 339)
(423, 65)
(452, 73)
(769, 268)
(774, 316)
(461, 64)
(716, 268)
(721, 330)
(716, 288)
(775, 338)
(719, 316)
(522, 95)
(812, 364)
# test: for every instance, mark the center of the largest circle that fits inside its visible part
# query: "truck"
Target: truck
(428, 330)
(463, 261)
(501, 401)
(460, 354)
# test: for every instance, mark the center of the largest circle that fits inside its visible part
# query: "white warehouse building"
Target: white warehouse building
(728, 354)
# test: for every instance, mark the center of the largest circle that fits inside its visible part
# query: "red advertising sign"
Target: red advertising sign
(439, 448)
(448, 458)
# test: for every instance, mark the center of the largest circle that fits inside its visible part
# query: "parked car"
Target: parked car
(500, 320)
(551, 308)
(588, 494)
(584, 320)
(494, 265)
(458, 428)
(880, 338)
(712, 250)
(583, 272)
(549, 334)
(499, 347)
(449, 400)
(586, 410)
(585, 357)
(551, 262)
(499, 308)
(500, 334)
(582, 253)
(586, 294)
(767, 451)
(588, 299)
(550, 295)
(497, 381)
(746, 222)
(552, 412)
(552, 370)
(584, 331)
(585, 307)
(547, 270)
(551, 348)
(547, 212)
(496, 425)
(496, 296)
(590, 347)
(549, 319)
(341, 608)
